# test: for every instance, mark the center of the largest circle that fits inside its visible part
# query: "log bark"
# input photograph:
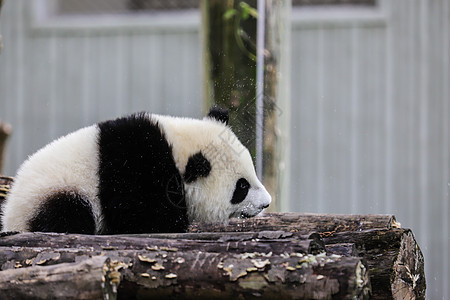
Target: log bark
(5, 183)
(343, 249)
(274, 242)
(301, 223)
(395, 261)
(166, 272)
(80, 280)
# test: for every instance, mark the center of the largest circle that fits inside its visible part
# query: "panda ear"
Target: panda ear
(219, 114)
(197, 166)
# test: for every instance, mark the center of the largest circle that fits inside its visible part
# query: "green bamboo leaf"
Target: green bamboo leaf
(253, 12)
(229, 14)
(247, 11)
(244, 15)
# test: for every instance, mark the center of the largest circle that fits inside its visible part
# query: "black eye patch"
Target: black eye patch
(240, 191)
(197, 166)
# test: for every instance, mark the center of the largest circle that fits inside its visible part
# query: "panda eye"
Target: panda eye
(241, 191)
(243, 184)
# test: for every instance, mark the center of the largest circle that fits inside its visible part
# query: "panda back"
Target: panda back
(140, 188)
(117, 176)
(67, 164)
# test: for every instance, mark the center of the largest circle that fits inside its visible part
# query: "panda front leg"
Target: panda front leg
(64, 212)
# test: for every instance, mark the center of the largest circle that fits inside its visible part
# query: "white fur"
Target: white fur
(69, 163)
(208, 199)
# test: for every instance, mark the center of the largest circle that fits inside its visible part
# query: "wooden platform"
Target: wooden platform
(279, 255)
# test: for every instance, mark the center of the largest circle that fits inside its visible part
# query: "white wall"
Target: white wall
(370, 110)
(57, 75)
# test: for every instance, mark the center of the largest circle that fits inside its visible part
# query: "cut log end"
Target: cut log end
(80, 280)
(408, 277)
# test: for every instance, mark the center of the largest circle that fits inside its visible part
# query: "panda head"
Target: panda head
(220, 181)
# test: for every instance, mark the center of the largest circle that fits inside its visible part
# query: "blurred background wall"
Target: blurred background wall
(60, 71)
(370, 100)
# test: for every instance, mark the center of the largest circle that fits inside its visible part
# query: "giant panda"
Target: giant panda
(142, 173)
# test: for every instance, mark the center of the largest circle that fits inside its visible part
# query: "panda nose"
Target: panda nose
(264, 206)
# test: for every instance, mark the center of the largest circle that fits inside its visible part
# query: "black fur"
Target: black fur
(219, 114)
(140, 189)
(197, 166)
(66, 212)
(241, 191)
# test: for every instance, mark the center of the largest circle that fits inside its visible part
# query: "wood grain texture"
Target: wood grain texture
(79, 280)
(301, 223)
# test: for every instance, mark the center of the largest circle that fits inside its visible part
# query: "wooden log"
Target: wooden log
(393, 257)
(80, 280)
(5, 183)
(343, 249)
(395, 261)
(198, 274)
(301, 223)
(276, 243)
(223, 276)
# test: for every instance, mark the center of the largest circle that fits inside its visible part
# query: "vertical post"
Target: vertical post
(277, 101)
(260, 44)
(5, 129)
(246, 69)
